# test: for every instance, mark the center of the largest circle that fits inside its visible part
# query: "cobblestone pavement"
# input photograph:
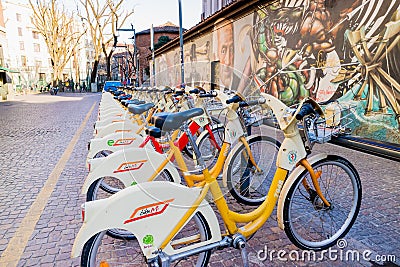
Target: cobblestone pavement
(35, 130)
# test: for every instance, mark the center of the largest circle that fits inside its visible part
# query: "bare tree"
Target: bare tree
(117, 20)
(125, 62)
(59, 32)
(104, 22)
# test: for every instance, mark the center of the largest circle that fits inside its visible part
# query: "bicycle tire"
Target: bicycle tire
(208, 148)
(245, 184)
(188, 150)
(303, 230)
(114, 249)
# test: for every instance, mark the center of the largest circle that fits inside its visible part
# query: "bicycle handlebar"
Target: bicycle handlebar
(213, 94)
(251, 102)
(197, 91)
(305, 110)
(234, 99)
(179, 92)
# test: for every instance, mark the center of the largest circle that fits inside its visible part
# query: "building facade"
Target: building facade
(27, 51)
(143, 43)
(27, 54)
(3, 47)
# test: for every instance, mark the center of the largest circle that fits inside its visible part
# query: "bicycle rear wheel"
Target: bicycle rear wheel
(102, 248)
(245, 183)
(188, 149)
(309, 223)
(209, 146)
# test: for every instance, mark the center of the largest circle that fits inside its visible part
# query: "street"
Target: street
(42, 168)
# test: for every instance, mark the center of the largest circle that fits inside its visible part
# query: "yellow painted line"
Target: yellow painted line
(17, 244)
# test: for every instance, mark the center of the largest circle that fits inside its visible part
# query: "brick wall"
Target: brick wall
(143, 46)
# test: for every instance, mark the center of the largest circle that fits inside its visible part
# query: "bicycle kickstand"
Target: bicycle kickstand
(239, 242)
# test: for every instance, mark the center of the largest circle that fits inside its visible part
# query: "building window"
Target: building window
(35, 35)
(23, 61)
(21, 46)
(18, 17)
(19, 31)
(38, 63)
(36, 47)
(42, 76)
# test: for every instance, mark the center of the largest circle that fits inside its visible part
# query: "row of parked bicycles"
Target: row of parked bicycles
(163, 162)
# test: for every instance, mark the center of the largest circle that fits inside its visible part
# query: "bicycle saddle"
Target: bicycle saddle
(139, 109)
(167, 121)
(153, 131)
(134, 102)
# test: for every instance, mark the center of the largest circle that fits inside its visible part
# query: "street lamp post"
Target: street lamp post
(134, 44)
(152, 55)
(135, 57)
(181, 43)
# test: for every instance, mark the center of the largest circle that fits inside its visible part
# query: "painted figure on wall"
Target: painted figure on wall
(224, 53)
(197, 59)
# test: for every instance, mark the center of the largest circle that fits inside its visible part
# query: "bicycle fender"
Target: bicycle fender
(130, 166)
(113, 142)
(109, 120)
(289, 183)
(150, 211)
(111, 111)
(125, 126)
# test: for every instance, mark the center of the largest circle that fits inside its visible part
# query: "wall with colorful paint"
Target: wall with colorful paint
(344, 51)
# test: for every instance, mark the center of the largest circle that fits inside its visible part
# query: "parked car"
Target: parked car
(111, 85)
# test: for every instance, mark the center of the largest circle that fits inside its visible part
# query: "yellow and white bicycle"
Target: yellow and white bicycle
(317, 204)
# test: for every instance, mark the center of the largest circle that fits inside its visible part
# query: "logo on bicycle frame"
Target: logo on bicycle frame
(130, 166)
(148, 241)
(121, 142)
(149, 210)
(292, 156)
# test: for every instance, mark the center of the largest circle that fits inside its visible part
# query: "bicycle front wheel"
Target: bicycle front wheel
(309, 223)
(249, 183)
(101, 248)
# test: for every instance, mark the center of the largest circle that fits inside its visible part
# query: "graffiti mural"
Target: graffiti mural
(331, 50)
(197, 59)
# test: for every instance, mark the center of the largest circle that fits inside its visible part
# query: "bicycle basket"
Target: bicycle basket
(335, 122)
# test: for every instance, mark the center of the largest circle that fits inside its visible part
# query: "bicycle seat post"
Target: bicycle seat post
(200, 161)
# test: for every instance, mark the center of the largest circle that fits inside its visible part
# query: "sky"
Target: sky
(156, 12)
